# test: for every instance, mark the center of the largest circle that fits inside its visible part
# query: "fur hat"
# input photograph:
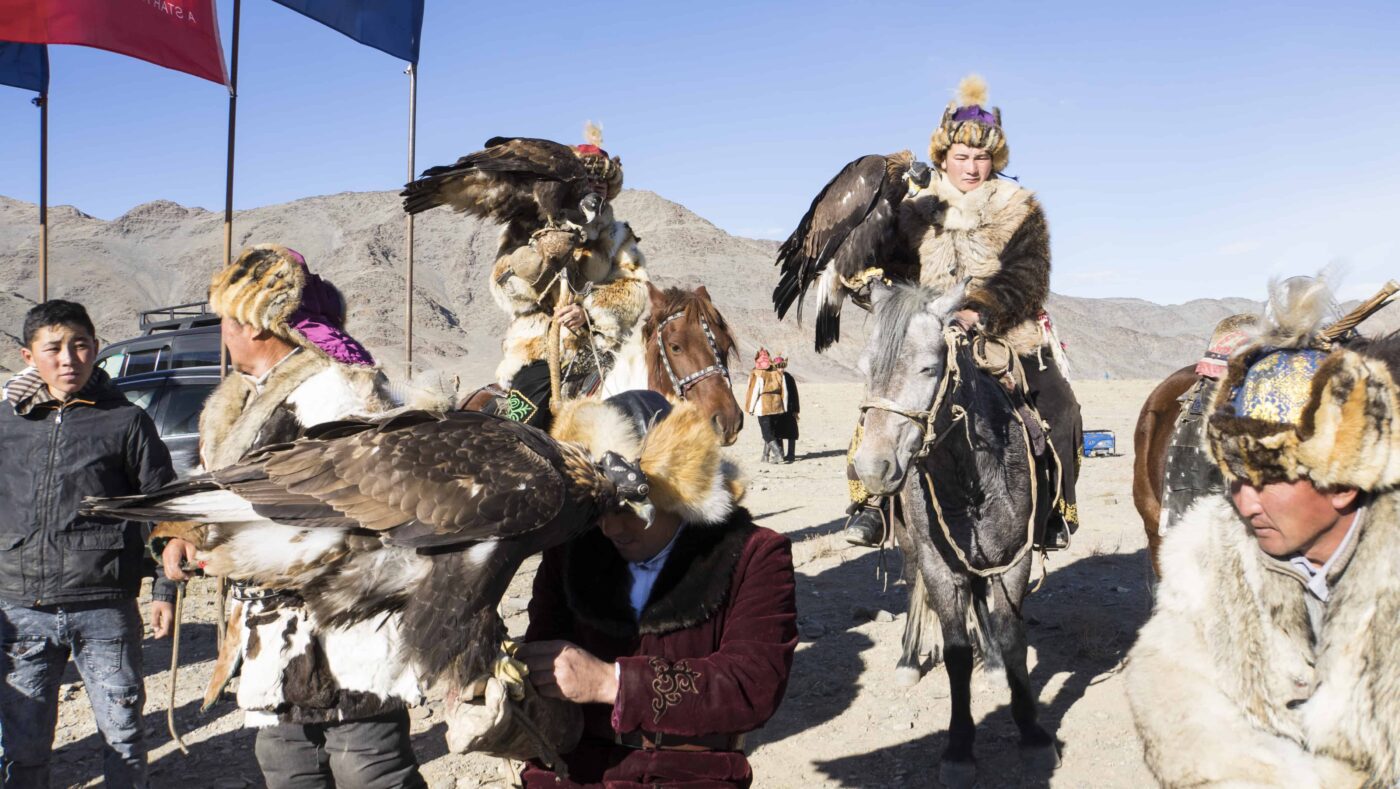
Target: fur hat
(969, 121)
(675, 445)
(1289, 410)
(604, 171)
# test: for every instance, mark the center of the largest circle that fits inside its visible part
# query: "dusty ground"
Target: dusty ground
(844, 723)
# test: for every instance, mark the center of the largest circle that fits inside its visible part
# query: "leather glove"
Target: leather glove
(493, 725)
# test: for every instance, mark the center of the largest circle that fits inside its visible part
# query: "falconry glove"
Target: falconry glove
(495, 725)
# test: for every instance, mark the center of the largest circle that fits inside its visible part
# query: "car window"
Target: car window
(143, 396)
(190, 355)
(112, 365)
(142, 361)
(183, 403)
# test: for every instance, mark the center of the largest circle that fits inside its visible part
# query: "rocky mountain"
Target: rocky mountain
(162, 253)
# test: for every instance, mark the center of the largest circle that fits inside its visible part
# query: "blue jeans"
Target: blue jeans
(104, 639)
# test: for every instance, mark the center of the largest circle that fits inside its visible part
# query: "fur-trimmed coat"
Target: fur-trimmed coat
(292, 670)
(767, 393)
(616, 301)
(996, 237)
(1227, 683)
(710, 656)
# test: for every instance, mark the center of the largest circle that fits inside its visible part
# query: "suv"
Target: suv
(169, 371)
(185, 335)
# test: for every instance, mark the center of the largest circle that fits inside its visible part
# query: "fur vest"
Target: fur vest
(616, 302)
(1228, 684)
(995, 237)
(293, 671)
(767, 393)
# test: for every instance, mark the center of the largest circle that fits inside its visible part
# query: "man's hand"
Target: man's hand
(570, 315)
(967, 319)
(162, 618)
(561, 670)
(176, 550)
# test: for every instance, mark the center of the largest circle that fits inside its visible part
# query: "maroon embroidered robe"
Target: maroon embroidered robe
(710, 656)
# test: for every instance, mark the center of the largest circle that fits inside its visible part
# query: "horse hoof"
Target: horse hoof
(957, 775)
(907, 676)
(1041, 758)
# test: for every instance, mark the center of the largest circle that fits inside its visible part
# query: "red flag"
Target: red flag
(178, 34)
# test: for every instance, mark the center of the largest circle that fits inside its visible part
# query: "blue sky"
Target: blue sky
(1181, 149)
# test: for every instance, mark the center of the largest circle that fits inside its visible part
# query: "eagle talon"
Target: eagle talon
(512, 673)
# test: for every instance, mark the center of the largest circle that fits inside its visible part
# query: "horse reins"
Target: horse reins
(682, 385)
(924, 420)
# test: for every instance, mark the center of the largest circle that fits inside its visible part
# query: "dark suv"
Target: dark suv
(169, 371)
(172, 338)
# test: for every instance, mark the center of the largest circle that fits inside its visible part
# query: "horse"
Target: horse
(682, 351)
(950, 441)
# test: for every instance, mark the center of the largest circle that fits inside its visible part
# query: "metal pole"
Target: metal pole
(43, 102)
(232, 119)
(408, 228)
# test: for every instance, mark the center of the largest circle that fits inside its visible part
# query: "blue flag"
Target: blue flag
(24, 66)
(392, 26)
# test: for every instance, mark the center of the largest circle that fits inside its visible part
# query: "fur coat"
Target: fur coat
(995, 237)
(1227, 683)
(767, 393)
(292, 670)
(616, 300)
(710, 655)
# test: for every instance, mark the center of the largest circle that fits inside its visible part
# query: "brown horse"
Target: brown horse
(687, 345)
(1151, 437)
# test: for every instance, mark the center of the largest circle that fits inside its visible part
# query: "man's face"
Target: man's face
(967, 167)
(240, 340)
(1290, 518)
(630, 535)
(65, 356)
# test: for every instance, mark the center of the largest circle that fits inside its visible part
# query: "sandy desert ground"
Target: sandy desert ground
(844, 723)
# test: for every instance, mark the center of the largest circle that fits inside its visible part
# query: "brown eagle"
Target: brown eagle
(851, 226)
(426, 514)
(525, 181)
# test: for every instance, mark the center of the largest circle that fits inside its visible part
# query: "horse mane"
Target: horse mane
(692, 305)
(892, 321)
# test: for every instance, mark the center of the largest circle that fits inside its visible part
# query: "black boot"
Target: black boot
(866, 526)
(792, 451)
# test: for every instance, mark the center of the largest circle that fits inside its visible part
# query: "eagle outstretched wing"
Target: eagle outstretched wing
(502, 181)
(850, 227)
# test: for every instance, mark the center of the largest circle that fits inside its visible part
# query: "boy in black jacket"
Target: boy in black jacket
(68, 583)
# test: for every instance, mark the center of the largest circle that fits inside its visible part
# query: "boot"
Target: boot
(792, 450)
(865, 527)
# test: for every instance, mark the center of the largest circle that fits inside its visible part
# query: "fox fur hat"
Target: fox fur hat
(1287, 409)
(261, 288)
(675, 445)
(968, 120)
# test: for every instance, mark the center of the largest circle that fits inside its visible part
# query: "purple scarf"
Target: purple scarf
(321, 316)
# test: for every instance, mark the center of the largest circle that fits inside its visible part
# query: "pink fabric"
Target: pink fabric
(320, 319)
(1217, 357)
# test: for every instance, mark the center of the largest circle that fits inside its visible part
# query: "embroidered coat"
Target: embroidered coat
(615, 301)
(1230, 687)
(292, 670)
(767, 393)
(994, 236)
(710, 656)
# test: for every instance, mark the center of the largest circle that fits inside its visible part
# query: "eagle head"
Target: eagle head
(918, 177)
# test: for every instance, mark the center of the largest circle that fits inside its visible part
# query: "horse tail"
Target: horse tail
(980, 626)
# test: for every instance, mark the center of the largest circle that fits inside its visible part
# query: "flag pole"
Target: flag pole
(43, 102)
(408, 239)
(232, 124)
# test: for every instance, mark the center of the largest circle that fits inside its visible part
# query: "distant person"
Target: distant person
(68, 583)
(785, 426)
(766, 398)
(1270, 658)
(330, 704)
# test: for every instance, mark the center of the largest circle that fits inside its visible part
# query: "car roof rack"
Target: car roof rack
(177, 316)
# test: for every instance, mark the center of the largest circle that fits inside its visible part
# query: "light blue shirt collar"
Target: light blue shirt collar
(644, 575)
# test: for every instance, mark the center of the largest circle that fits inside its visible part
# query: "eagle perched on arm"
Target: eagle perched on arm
(850, 227)
(524, 181)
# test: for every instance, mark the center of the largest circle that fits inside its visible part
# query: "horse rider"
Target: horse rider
(608, 303)
(1269, 659)
(974, 226)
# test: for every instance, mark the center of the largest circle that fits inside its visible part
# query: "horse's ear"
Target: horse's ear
(951, 300)
(703, 293)
(879, 290)
(658, 297)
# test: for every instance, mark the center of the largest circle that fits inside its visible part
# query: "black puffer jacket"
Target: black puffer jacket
(96, 444)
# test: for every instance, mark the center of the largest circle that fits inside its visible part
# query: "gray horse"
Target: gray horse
(950, 441)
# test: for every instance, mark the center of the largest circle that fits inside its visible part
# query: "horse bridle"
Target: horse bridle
(682, 385)
(924, 419)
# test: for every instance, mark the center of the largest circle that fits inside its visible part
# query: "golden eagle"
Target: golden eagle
(426, 514)
(526, 181)
(852, 226)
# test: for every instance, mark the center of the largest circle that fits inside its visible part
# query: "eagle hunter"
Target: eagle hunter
(424, 513)
(851, 227)
(524, 181)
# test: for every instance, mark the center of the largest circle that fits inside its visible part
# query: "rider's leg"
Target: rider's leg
(1052, 396)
